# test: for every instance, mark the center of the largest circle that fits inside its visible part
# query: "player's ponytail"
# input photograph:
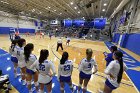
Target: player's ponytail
(65, 56)
(119, 56)
(13, 44)
(21, 42)
(28, 50)
(43, 55)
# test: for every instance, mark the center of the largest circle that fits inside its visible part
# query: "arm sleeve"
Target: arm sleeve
(59, 70)
(109, 68)
(34, 65)
(53, 68)
(95, 66)
(81, 66)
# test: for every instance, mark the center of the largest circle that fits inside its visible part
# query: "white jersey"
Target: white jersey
(68, 38)
(12, 51)
(65, 69)
(113, 68)
(20, 56)
(86, 66)
(44, 70)
(32, 59)
(59, 41)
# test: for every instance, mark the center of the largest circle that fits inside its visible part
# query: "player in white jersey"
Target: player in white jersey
(44, 67)
(65, 71)
(85, 69)
(14, 59)
(114, 72)
(21, 58)
(30, 59)
(68, 41)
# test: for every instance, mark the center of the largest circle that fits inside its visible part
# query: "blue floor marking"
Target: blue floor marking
(7, 64)
(130, 63)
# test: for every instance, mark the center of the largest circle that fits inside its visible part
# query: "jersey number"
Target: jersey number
(42, 67)
(89, 65)
(66, 67)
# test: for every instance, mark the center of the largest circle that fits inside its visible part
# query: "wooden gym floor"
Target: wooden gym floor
(76, 52)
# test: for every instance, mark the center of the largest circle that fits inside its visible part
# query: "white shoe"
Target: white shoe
(24, 82)
(33, 89)
(100, 91)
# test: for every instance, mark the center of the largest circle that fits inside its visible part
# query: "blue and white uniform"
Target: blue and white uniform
(85, 68)
(65, 71)
(20, 56)
(68, 39)
(113, 68)
(12, 51)
(32, 59)
(44, 71)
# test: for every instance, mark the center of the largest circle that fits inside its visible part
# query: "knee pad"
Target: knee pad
(61, 88)
(50, 92)
(85, 88)
(15, 68)
(28, 82)
(36, 84)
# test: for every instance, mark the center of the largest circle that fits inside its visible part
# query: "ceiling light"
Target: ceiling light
(83, 17)
(71, 3)
(60, 13)
(105, 4)
(75, 7)
(78, 12)
(49, 7)
(103, 10)
(54, 10)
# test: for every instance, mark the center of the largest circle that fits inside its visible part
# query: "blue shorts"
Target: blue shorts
(14, 59)
(84, 76)
(30, 71)
(109, 84)
(65, 79)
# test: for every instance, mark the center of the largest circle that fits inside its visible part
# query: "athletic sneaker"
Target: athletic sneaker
(24, 82)
(100, 91)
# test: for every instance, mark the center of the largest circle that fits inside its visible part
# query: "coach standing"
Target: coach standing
(59, 44)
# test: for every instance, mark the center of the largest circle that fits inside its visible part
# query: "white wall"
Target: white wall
(12, 22)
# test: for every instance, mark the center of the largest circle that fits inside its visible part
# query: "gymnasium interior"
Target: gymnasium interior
(95, 24)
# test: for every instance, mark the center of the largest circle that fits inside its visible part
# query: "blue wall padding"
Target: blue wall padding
(124, 40)
(116, 38)
(5, 30)
(133, 43)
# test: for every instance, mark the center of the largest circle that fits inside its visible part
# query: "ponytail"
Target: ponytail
(43, 55)
(64, 58)
(28, 50)
(121, 70)
(118, 55)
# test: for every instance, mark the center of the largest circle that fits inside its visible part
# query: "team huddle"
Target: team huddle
(42, 70)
